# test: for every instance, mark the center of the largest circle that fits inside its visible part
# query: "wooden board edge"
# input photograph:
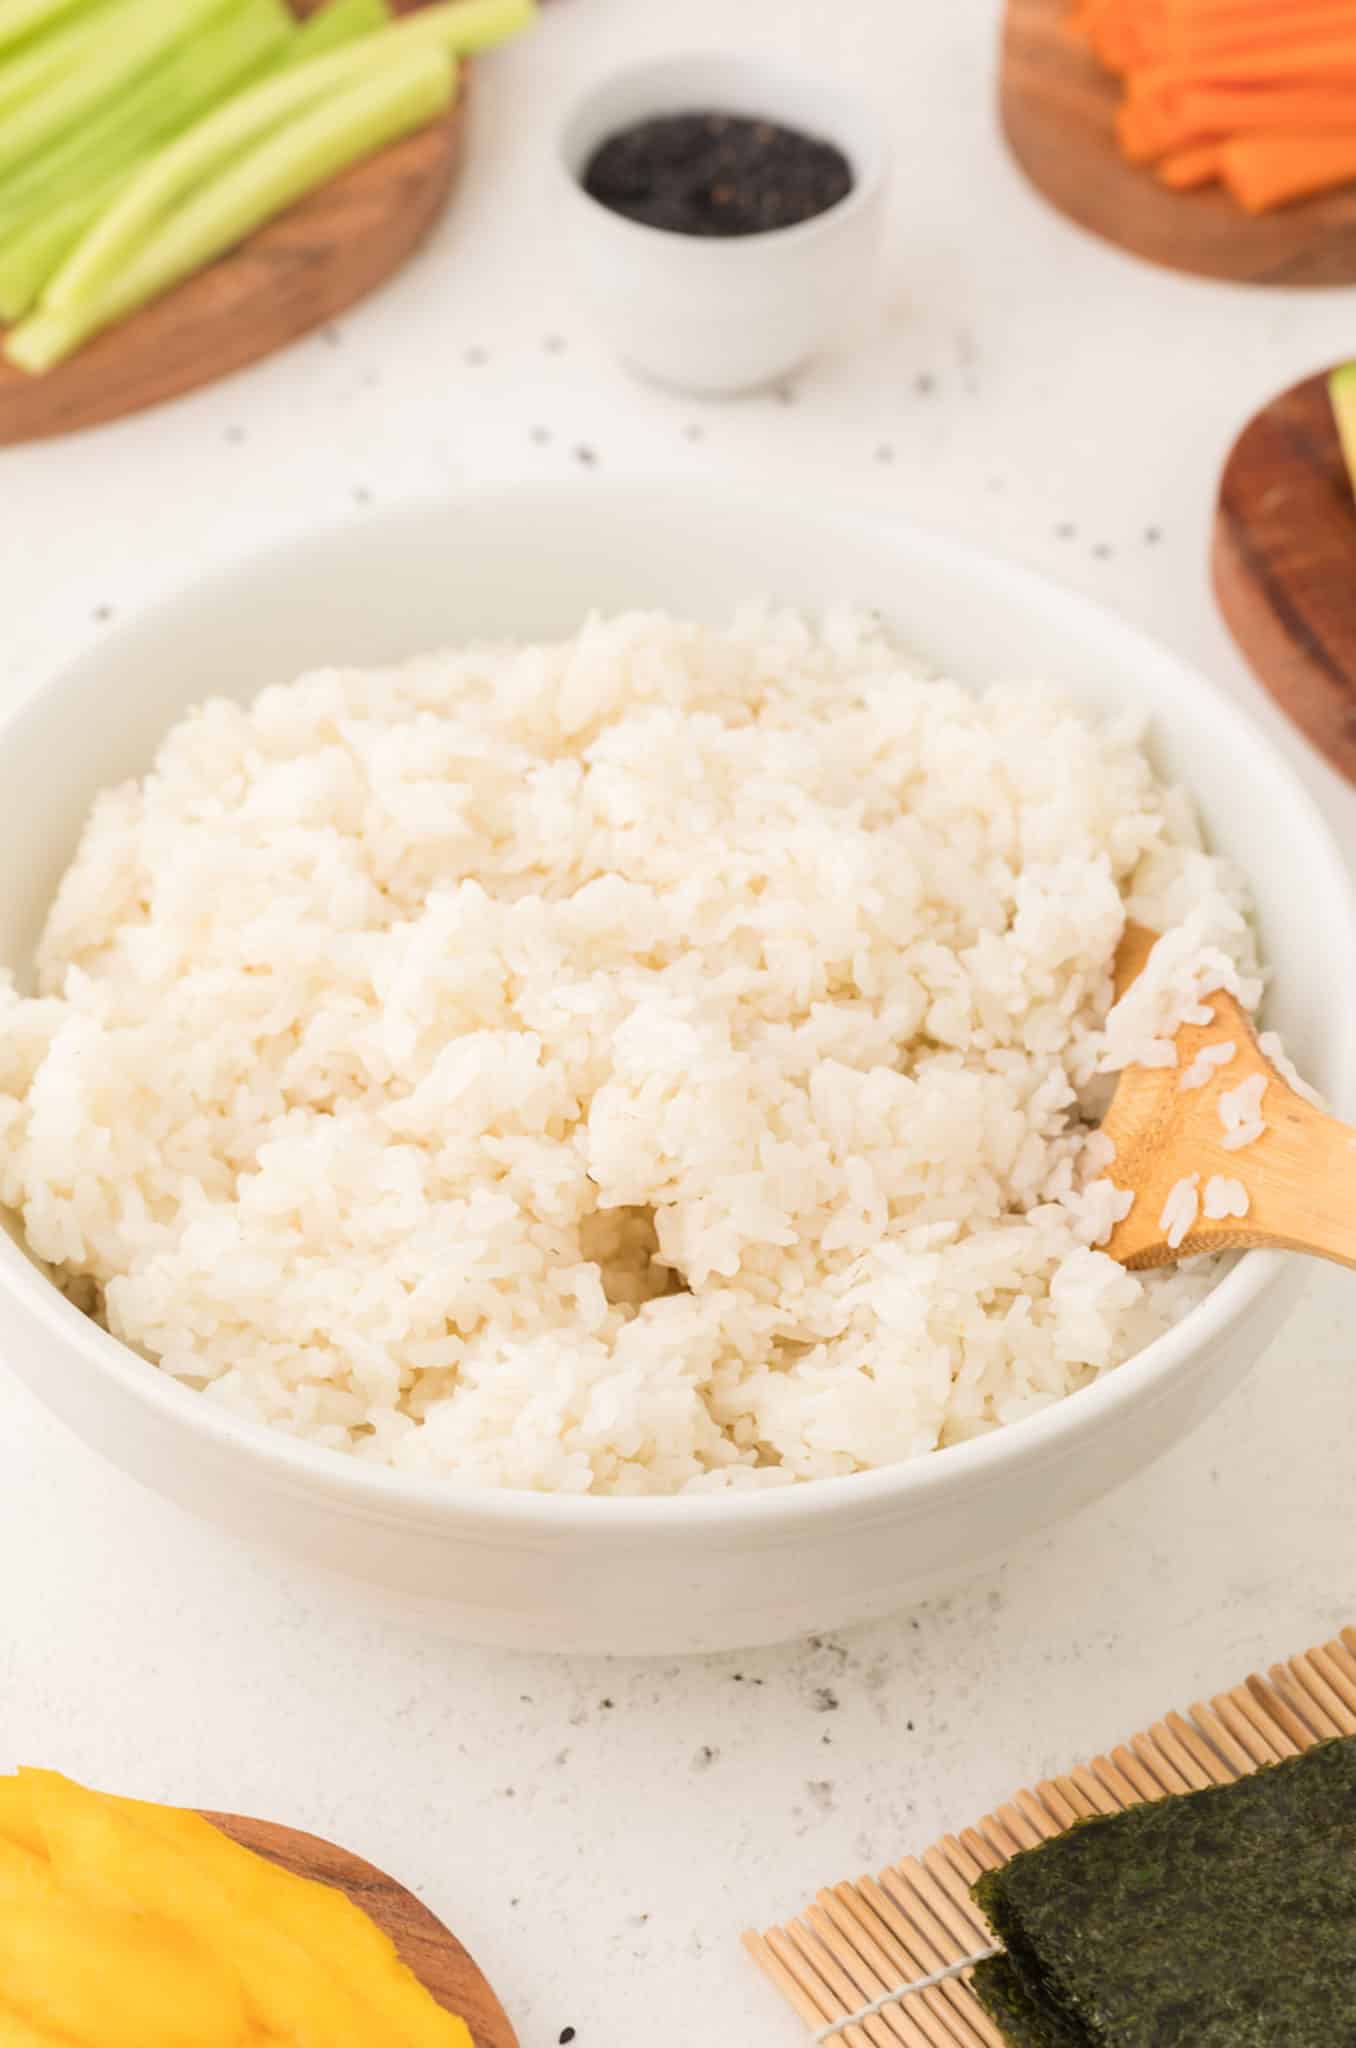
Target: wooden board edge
(1292, 616)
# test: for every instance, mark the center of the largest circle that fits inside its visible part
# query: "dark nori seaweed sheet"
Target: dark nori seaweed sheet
(1026, 2021)
(1218, 1919)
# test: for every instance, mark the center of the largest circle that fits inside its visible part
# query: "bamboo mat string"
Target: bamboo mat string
(902, 1991)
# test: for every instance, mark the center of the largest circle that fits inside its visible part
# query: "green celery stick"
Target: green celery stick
(197, 156)
(115, 54)
(192, 161)
(29, 258)
(331, 26)
(464, 26)
(398, 96)
(183, 85)
(20, 18)
(1342, 391)
(187, 83)
(27, 72)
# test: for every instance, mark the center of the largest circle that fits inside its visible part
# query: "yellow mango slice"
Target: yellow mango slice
(354, 1950)
(116, 1980)
(105, 1852)
(17, 1823)
(22, 1874)
(15, 2032)
(307, 1965)
(350, 1949)
(110, 1852)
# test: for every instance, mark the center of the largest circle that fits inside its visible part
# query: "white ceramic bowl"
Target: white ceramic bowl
(677, 1574)
(724, 314)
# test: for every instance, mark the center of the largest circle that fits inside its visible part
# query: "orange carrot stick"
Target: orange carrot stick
(1209, 114)
(1145, 131)
(1185, 33)
(1186, 169)
(1266, 171)
(1202, 45)
(1207, 15)
(1204, 19)
(1303, 110)
(1118, 32)
(1330, 61)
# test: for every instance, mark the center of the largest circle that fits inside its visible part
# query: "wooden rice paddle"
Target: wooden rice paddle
(1300, 1175)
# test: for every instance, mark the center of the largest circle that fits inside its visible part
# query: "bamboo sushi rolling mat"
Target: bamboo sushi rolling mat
(861, 1966)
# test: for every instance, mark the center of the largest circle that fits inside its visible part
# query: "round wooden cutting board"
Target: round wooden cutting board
(1285, 564)
(436, 1957)
(295, 274)
(1058, 109)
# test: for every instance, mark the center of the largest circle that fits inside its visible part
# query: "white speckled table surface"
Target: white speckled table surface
(598, 1833)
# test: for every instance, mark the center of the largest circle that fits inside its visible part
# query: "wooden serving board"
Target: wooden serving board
(436, 1957)
(298, 272)
(1285, 564)
(1058, 110)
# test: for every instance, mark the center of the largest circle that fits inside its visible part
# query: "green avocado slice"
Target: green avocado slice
(1342, 391)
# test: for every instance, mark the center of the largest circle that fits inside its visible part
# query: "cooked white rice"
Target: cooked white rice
(1225, 1198)
(1240, 1112)
(1181, 1209)
(1208, 1061)
(1270, 1043)
(663, 1060)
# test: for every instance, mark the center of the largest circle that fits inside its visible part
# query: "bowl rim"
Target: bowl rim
(381, 1493)
(867, 149)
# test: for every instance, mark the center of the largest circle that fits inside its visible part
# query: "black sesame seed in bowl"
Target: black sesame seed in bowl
(717, 174)
(724, 214)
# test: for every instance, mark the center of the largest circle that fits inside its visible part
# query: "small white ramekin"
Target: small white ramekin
(724, 314)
